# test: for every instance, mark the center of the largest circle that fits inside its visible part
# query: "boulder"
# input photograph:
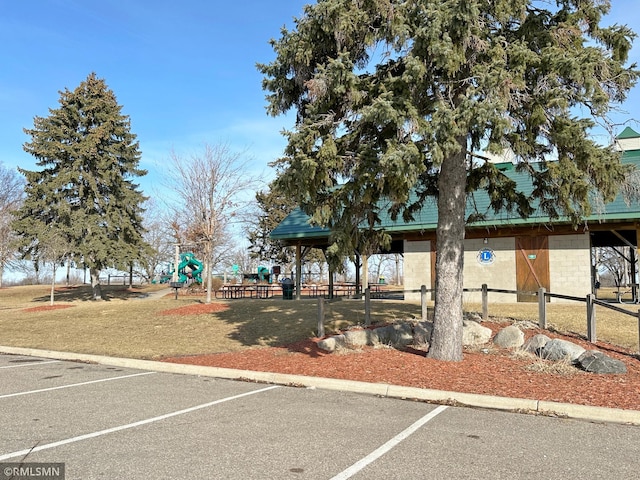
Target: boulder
(330, 344)
(402, 334)
(558, 350)
(422, 333)
(473, 316)
(597, 362)
(474, 334)
(356, 338)
(385, 334)
(509, 337)
(536, 343)
(327, 344)
(397, 335)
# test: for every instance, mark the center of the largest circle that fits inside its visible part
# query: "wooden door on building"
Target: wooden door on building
(532, 266)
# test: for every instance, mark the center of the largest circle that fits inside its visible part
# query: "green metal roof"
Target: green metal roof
(628, 133)
(296, 226)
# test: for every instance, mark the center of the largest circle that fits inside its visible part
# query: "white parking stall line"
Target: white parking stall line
(378, 452)
(40, 390)
(99, 433)
(29, 364)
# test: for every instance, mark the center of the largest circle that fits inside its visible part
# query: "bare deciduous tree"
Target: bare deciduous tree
(211, 191)
(616, 263)
(159, 235)
(54, 249)
(11, 191)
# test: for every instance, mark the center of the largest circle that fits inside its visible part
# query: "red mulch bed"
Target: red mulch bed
(197, 309)
(496, 372)
(45, 308)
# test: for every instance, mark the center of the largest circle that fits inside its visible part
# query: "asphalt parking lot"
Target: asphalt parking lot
(111, 422)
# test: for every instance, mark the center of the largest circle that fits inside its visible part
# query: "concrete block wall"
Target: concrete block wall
(570, 265)
(499, 274)
(417, 267)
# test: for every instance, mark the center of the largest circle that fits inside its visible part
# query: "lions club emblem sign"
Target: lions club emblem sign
(486, 256)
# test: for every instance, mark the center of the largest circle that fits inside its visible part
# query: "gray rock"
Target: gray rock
(327, 344)
(557, 350)
(397, 335)
(356, 338)
(509, 337)
(474, 334)
(402, 334)
(473, 316)
(330, 344)
(385, 334)
(422, 333)
(597, 362)
(372, 337)
(536, 343)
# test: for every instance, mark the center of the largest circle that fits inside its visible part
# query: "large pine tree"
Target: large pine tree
(85, 189)
(395, 98)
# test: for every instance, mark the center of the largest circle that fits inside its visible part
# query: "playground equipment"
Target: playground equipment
(189, 269)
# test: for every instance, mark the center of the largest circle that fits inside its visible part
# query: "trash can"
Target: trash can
(287, 289)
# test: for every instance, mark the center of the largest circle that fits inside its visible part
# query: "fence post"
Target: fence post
(542, 309)
(367, 306)
(423, 302)
(591, 319)
(485, 302)
(320, 317)
(638, 331)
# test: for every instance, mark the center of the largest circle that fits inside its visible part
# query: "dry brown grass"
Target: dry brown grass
(540, 365)
(127, 325)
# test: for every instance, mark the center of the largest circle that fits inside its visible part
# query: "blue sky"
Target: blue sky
(183, 71)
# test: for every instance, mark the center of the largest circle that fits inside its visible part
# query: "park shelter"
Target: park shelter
(503, 250)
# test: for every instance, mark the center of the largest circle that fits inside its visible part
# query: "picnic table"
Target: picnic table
(247, 291)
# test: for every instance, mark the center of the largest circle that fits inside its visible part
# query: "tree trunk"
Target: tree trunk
(446, 340)
(95, 284)
(365, 272)
(36, 271)
(207, 279)
(53, 285)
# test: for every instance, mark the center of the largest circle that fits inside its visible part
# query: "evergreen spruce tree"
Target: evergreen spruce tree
(85, 189)
(394, 98)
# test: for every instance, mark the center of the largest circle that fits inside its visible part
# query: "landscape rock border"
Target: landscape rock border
(406, 333)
